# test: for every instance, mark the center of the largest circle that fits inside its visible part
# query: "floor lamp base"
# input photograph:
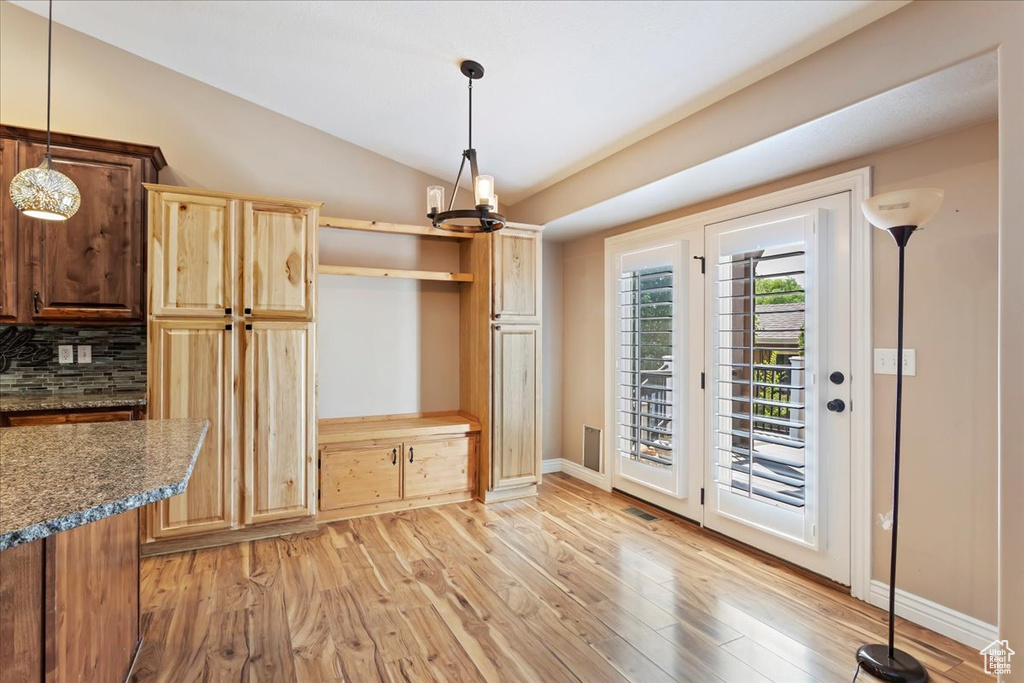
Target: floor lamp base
(902, 668)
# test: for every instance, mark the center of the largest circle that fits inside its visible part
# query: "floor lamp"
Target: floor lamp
(899, 213)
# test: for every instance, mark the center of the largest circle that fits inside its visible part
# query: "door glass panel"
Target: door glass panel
(645, 407)
(761, 325)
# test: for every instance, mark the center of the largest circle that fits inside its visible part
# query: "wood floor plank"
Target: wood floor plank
(560, 588)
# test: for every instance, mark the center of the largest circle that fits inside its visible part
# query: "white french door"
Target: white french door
(729, 394)
(658, 308)
(777, 466)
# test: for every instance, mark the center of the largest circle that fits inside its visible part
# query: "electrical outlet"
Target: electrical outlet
(65, 354)
(885, 362)
(84, 353)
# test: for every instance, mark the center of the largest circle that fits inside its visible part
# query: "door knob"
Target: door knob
(837, 377)
(836, 405)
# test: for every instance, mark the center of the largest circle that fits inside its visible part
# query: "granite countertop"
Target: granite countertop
(55, 478)
(17, 403)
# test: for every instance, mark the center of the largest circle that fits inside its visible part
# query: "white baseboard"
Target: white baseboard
(956, 625)
(550, 465)
(585, 474)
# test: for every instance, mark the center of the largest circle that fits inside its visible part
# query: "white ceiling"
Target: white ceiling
(567, 83)
(963, 95)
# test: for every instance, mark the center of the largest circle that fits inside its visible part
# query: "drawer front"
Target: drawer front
(69, 418)
(436, 467)
(360, 476)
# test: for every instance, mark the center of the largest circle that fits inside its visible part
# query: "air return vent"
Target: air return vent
(592, 448)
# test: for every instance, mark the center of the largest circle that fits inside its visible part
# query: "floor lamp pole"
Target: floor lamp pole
(885, 661)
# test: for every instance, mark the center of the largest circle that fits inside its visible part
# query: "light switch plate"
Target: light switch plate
(65, 354)
(84, 353)
(885, 362)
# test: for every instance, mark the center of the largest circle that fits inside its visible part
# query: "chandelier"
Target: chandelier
(483, 218)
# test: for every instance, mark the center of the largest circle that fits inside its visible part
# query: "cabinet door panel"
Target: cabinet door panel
(360, 476)
(280, 442)
(89, 266)
(515, 440)
(191, 254)
(192, 374)
(279, 262)
(435, 467)
(9, 254)
(516, 270)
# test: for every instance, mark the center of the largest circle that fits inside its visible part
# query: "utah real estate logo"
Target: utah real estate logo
(997, 657)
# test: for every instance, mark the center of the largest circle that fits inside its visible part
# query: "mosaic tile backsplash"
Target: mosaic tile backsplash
(28, 359)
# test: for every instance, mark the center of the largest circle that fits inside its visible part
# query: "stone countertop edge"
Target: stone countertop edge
(103, 510)
(27, 403)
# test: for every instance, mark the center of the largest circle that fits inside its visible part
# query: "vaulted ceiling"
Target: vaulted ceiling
(567, 83)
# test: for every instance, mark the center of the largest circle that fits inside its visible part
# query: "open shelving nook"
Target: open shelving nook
(392, 229)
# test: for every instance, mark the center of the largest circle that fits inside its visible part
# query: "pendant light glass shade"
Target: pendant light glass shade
(46, 193)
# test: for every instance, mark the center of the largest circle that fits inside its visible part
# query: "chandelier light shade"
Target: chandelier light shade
(484, 217)
(44, 192)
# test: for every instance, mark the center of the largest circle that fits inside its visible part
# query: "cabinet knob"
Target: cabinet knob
(394, 456)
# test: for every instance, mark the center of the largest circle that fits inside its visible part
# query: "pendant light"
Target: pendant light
(485, 217)
(44, 192)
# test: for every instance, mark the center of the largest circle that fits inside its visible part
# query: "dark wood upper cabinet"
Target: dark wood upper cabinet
(9, 252)
(91, 267)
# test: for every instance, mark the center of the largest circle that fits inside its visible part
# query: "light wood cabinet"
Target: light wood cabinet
(359, 476)
(500, 349)
(232, 339)
(437, 467)
(516, 267)
(279, 261)
(280, 439)
(393, 462)
(516, 401)
(192, 373)
(192, 255)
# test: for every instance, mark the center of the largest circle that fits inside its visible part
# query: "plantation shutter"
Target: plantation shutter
(760, 429)
(646, 391)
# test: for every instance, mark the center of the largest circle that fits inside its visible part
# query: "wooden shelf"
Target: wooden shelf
(390, 228)
(357, 271)
(391, 427)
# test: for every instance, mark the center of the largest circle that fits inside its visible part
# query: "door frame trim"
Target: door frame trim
(858, 183)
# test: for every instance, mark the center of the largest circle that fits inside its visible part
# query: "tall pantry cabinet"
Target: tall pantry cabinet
(232, 314)
(501, 358)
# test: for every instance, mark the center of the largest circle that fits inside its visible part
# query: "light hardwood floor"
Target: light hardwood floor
(562, 587)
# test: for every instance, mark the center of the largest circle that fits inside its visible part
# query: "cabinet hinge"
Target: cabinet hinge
(702, 380)
(318, 494)
(227, 327)
(318, 463)
(702, 263)
(701, 495)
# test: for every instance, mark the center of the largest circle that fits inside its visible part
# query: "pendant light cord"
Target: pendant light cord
(49, 81)
(470, 110)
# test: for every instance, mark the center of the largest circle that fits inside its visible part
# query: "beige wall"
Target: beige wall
(211, 139)
(552, 332)
(948, 545)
